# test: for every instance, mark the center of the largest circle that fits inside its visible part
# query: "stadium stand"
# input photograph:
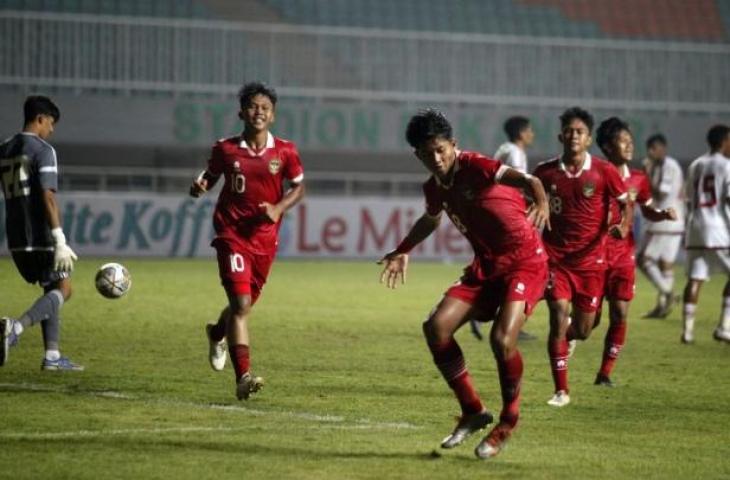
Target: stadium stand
(141, 8)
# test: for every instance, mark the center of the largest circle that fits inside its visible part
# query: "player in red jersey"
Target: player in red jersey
(504, 281)
(615, 141)
(247, 218)
(580, 187)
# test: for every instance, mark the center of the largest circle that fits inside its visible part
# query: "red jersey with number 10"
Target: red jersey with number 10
(251, 178)
(491, 216)
(579, 204)
(621, 250)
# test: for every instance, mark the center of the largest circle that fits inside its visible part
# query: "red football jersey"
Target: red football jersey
(621, 251)
(579, 205)
(491, 216)
(251, 178)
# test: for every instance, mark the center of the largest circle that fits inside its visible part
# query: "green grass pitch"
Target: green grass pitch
(350, 388)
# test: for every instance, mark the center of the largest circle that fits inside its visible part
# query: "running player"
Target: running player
(707, 238)
(661, 240)
(616, 142)
(504, 281)
(29, 177)
(247, 218)
(581, 188)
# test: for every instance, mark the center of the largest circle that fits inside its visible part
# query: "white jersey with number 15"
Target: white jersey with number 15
(708, 196)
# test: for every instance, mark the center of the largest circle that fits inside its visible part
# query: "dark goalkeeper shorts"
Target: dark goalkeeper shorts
(37, 267)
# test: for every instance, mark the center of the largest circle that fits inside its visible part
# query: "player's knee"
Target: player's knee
(434, 332)
(240, 306)
(582, 331)
(502, 345)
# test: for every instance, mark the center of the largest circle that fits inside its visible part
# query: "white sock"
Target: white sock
(52, 355)
(17, 327)
(657, 278)
(669, 279)
(725, 316)
(688, 316)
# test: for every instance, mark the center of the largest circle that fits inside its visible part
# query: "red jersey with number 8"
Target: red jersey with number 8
(251, 178)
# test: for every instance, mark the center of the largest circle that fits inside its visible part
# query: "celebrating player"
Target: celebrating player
(616, 142)
(247, 218)
(512, 153)
(661, 240)
(708, 229)
(581, 188)
(29, 176)
(504, 281)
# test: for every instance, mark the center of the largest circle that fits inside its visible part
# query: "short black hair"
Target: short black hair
(576, 112)
(656, 138)
(608, 131)
(428, 124)
(251, 89)
(716, 135)
(514, 126)
(39, 105)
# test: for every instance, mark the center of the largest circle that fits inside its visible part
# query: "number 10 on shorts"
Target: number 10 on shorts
(237, 264)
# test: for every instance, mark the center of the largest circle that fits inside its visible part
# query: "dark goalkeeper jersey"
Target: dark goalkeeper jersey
(27, 167)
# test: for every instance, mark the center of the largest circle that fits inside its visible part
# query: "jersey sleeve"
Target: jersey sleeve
(433, 201)
(490, 169)
(47, 165)
(643, 196)
(293, 170)
(615, 186)
(215, 161)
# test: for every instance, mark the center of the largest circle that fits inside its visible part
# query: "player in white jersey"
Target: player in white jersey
(707, 238)
(512, 153)
(661, 240)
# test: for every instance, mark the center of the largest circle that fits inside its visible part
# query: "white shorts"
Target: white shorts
(660, 246)
(702, 263)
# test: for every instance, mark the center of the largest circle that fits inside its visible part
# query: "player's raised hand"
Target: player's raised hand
(539, 215)
(396, 264)
(199, 186)
(272, 213)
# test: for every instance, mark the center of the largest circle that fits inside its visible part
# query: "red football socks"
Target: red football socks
(510, 380)
(449, 359)
(615, 338)
(558, 351)
(240, 359)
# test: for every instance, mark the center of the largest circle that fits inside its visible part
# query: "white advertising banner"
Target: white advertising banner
(131, 224)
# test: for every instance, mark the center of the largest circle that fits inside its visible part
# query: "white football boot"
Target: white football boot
(560, 399)
(721, 335)
(247, 385)
(217, 351)
(495, 442)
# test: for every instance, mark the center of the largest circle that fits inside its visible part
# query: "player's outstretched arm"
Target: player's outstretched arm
(654, 215)
(396, 262)
(274, 212)
(63, 256)
(539, 211)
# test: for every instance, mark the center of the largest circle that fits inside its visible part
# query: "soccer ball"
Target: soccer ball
(113, 280)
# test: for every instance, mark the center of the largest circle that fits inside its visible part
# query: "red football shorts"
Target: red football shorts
(241, 272)
(526, 282)
(584, 288)
(620, 283)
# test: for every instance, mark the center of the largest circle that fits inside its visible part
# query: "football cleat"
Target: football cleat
(492, 444)
(247, 385)
(604, 381)
(687, 338)
(721, 335)
(560, 399)
(468, 424)
(524, 336)
(8, 338)
(63, 363)
(476, 329)
(571, 347)
(656, 312)
(217, 351)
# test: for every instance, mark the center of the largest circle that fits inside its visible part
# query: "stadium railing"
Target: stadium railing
(177, 181)
(133, 55)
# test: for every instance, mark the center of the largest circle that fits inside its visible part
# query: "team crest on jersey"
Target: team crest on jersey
(633, 193)
(236, 166)
(274, 166)
(589, 188)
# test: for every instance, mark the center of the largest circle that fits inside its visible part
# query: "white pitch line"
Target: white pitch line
(332, 420)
